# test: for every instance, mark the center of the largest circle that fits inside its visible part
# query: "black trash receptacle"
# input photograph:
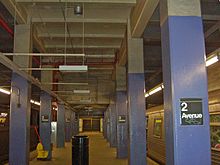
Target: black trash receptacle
(80, 150)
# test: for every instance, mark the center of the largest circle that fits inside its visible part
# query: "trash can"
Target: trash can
(80, 150)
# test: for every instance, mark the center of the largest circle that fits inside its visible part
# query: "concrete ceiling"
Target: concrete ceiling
(99, 33)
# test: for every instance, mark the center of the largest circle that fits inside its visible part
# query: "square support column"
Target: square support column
(113, 132)
(68, 130)
(136, 103)
(185, 78)
(61, 126)
(122, 115)
(108, 132)
(19, 130)
(122, 124)
(19, 139)
(73, 124)
(45, 122)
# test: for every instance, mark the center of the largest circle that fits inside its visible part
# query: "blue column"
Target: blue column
(76, 124)
(122, 125)
(104, 126)
(61, 126)
(108, 126)
(136, 103)
(68, 130)
(113, 133)
(19, 121)
(73, 124)
(45, 122)
(184, 74)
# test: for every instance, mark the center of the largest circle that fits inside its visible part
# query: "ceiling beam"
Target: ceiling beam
(81, 46)
(212, 29)
(141, 15)
(83, 1)
(12, 6)
(55, 35)
(21, 17)
(86, 20)
(211, 17)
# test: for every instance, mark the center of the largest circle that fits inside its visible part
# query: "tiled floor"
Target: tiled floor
(99, 150)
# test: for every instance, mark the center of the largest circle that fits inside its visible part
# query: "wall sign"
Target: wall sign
(44, 118)
(122, 119)
(191, 111)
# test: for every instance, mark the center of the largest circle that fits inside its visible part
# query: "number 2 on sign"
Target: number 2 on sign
(184, 107)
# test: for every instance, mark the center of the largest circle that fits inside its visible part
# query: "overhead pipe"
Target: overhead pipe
(56, 64)
(5, 26)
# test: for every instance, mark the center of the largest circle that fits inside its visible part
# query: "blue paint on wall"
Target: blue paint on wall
(113, 126)
(19, 131)
(184, 75)
(137, 121)
(68, 131)
(45, 126)
(61, 126)
(122, 127)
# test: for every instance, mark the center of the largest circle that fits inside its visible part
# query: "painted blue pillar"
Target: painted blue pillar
(73, 124)
(45, 122)
(19, 129)
(122, 124)
(61, 126)
(108, 132)
(113, 132)
(19, 140)
(68, 130)
(184, 76)
(136, 103)
(104, 126)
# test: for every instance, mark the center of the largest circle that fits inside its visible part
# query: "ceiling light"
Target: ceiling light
(155, 90)
(212, 60)
(81, 91)
(5, 91)
(78, 10)
(35, 102)
(146, 95)
(73, 68)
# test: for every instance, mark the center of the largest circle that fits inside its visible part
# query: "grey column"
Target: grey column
(19, 130)
(61, 126)
(136, 103)
(112, 116)
(121, 108)
(45, 112)
(68, 130)
(185, 83)
(45, 122)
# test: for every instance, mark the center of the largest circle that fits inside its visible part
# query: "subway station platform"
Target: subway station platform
(99, 153)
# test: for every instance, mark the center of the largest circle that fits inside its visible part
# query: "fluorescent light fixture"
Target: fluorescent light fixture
(155, 90)
(35, 102)
(212, 60)
(81, 91)
(146, 95)
(5, 91)
(73, 68)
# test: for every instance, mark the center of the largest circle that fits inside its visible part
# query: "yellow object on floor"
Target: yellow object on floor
(41, 153)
